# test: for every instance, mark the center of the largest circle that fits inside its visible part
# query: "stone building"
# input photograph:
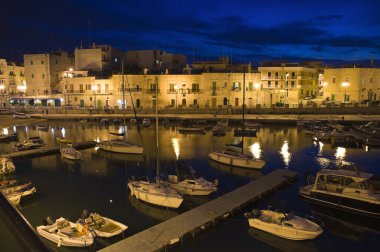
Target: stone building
(43, 71)
(12, 79)
(99, 60)
(351, 84)
(287, 83)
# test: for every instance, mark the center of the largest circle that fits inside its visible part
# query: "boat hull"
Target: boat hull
(61, 240)
(238, 162)
(190, 190)
(121, 149)
(337, 201)
(283, 231)
(159, 200)
(121, 229)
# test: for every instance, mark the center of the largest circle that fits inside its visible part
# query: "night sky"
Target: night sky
(202, 29)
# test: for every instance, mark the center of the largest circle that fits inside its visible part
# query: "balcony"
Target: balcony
(213, 93)
(130, 89)
(152, 91)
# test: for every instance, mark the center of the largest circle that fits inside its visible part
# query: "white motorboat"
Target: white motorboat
(155, 193)
(6, 166)
(15, 197)
(7, 183)
(236, 158)
(120, 146)
(350, 190)
(185, 182)
(66, 233)
(70, 152)
(102, 226)
(288, 226)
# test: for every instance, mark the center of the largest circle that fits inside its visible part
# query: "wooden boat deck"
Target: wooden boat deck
(171, 231)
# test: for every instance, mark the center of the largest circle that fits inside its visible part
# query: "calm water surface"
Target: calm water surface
(98, 183)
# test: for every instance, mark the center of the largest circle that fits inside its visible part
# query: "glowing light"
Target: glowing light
(52, 131)
(63, 132)
(320, 148)
(285, 153)
(366, 148)
(256, 150)
(340, 153)
(14, 128)
(175, 143)
(5, 131)
(2, 86)
(22, 88)
(97, 140)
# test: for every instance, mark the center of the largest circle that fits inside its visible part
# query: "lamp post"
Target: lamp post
(345, 85)
(94, 89)
(257, 86)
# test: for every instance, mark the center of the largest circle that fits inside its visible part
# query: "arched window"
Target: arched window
(225, 101)
(138, 103)
(183, 102)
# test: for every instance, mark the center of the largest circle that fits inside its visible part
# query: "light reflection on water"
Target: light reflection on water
(66, 188)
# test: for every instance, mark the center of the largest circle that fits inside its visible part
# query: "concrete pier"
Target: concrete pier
(191, 222)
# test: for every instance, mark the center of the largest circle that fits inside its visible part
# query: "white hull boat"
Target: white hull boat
(156, 194)
(14, 199)
(288, 226)
(71, 153)
(66, 233)
(237, 159)
(104, 227)
(120, 146)
(200, 186)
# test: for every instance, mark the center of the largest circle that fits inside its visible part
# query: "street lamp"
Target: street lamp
(257, 86)
(345, 85)
(94, 89)
(176, 95)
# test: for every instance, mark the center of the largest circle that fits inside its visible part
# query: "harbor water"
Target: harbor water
(98, 183)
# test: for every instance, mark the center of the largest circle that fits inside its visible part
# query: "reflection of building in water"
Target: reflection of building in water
(282, 244)
(48, 163)
(285, 152)
(340, 153)
(242, 172)
(158, 213)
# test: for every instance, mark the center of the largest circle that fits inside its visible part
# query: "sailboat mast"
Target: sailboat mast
(158, 163)
(242, 138)
(123, 87)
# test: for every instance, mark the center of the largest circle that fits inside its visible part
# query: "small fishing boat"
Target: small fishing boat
(7, 137)
(116, 121)
(63, 140)
(133, 121)
(70, 152)
(84, 120)
(30, 143)
(288, 226)
(66, 233)
(219, 130)
(7, 183)
(105, 121)
(26, 193)
(102, 226)
(6, 166)
(19, 188)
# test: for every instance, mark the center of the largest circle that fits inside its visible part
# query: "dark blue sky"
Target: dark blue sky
(244, 30)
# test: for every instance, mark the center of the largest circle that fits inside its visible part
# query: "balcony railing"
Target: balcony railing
(152, 91)
(184, 91)
(130, 89)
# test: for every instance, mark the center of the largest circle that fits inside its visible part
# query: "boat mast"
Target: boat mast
(157, 150)
(123, 87)
(242, 137)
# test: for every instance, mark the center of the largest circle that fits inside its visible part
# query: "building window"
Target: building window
(236, 86)
(75, 98)
(195, 102)
(81, 88)
(42, 62)
(90, 98)
(293, 75)
(171, 88)
(333, 80)
(43, 76)
(106, 87)
(214, 86)
(276, 84)
(347, 79)
(225, 101)
(370, 80)
(32, 76)
(269, 84)
(269, 75)
(56, 62)
(292, 84)
(276, 75)
(88, 86)
(31, 62)
(250, 86)
(195, 87)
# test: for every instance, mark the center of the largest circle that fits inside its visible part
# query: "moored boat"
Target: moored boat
(7, 183)
(6, 166)
(66, 233)
(30, 143)
(102, 226)
(64, 140)
(288, 226)
(350, 190)
(70, 152)
(120, 146)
